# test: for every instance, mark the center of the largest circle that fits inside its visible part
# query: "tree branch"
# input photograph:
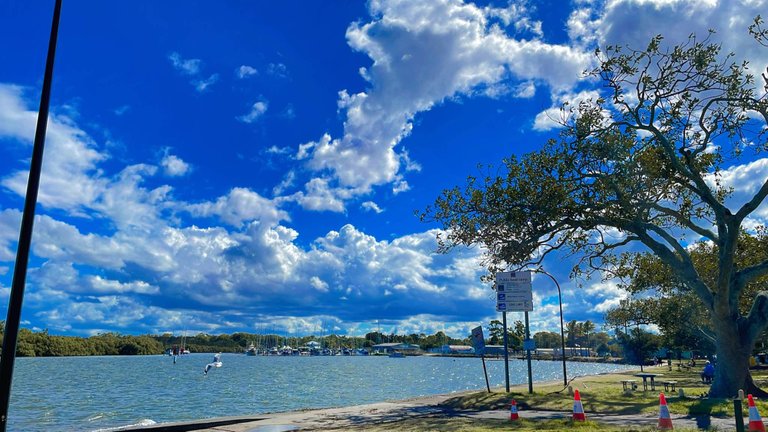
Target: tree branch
(756, 320)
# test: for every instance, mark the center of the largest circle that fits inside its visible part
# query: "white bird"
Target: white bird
(215, 364)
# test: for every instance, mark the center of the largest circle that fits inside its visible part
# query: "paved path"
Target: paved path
(346, 418)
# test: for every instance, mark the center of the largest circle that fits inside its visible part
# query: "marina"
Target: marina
(109, 392)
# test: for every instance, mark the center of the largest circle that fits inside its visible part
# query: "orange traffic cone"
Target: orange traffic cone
(665, 421)
(755, 422)
(578, 410)
(513, 410)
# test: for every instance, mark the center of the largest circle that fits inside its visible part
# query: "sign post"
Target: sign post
(528, 346)
(478, 343)
(514, 293)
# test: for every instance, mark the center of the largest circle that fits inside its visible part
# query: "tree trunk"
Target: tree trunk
(733, 353)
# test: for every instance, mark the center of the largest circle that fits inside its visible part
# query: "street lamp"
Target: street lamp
(562, 332)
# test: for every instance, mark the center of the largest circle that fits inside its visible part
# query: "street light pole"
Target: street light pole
(562, 332)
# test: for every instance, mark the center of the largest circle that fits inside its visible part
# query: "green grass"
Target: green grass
(477, 425)
(604, 394)
(599, 394)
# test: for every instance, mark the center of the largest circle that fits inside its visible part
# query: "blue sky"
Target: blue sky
(252, 165)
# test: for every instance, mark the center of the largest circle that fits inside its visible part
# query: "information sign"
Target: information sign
(529, 344)
(514, 292)
(478, 341)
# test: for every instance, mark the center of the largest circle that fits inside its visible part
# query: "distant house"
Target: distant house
(569, 351)
(457, 349)
(393, 346)
(494, 350)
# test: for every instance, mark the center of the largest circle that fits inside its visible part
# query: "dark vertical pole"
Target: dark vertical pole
(528, 354)
(506, 352)
(25, 235)
(562, 331)
(562, 334)
(738, 414)
(485, 372)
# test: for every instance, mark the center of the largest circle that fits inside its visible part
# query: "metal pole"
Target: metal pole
(562, 331)
(25, 234)
(485, 372)
(506, 352)
(738, 414)
(528, 354)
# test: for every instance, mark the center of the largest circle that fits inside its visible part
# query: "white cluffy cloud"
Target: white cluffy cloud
(245, 71)
(634, 22)
(70, 181)
(238, 256)
(424, 53)
(192, 68)
(257, 110)
(174, 166)
(371, 206)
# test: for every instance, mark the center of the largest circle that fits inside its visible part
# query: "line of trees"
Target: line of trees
(577, 334)
(43, 344)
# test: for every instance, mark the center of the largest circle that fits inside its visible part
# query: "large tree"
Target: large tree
(640, 166)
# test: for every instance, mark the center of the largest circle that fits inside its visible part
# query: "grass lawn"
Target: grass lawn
(474, 425)
(604, 394)
(599, 394)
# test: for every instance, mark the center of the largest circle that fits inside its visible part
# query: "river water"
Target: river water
(110, 393)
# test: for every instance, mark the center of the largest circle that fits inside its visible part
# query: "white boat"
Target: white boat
(251, 350)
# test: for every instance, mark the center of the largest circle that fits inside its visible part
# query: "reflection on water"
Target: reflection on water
(102, 393)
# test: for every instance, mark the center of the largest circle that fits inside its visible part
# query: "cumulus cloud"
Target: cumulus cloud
(257, 111)
(192, 68)
(239, 206)
(202, 85)
(70, 180)
(119, 111)
(106, 286)
(10, 221)
(744, 180)
(634, 22)
(319, 195)
(174, 166)
(154, 263)
(605, 296)
(246, 71)
(371, 206)
(423, 54)
(278, 70)
(189, 67)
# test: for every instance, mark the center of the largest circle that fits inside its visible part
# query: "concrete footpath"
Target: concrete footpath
(347, 418)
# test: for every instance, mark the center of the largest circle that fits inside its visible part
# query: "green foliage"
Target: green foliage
(547, 339)
(42, 344)
(639, 345)
(515, 334)
(660, 297)
(640, 165)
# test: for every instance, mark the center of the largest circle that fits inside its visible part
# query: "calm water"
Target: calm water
(106, 393)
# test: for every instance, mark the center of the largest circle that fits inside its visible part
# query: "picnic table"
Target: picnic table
(645, 377)
(668, 384)
(628, 384)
